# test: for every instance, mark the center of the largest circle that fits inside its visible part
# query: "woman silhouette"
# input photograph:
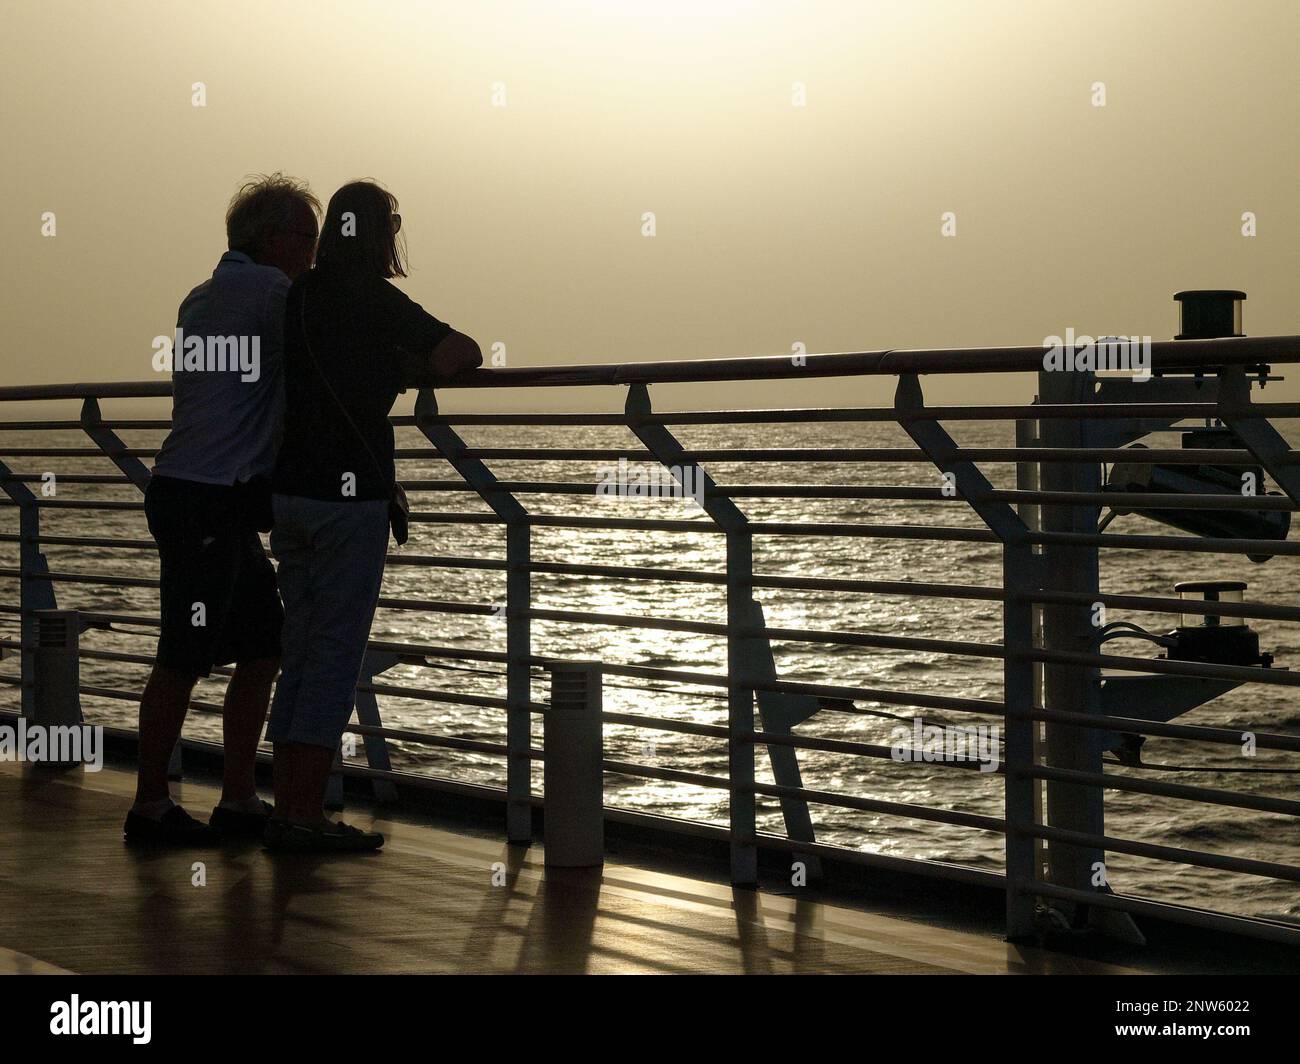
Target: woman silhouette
(353, 341)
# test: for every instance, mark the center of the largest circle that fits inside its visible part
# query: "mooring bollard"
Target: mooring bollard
(573, 780)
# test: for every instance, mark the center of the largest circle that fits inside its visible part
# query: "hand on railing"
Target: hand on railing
(456, 356)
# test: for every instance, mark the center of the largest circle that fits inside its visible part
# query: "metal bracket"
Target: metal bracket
(972, 485)
(367, 706)
(749, 650)
(779, 712)
(1154, 697)
(111, 444)
(1119, 432)
(672, 455)
(1255, 430)
(742, 801)
(1022, 571)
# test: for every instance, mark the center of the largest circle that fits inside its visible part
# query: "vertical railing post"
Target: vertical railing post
(519, 765)
(741, 749)
(1067, 687)
(34, 592)
(741, 752)
(519, 810)
(367, 706)
(1020, 576)
(1020, 787)
(1027, 480)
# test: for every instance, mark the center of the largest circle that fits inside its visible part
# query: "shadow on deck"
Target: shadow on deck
(73, 897)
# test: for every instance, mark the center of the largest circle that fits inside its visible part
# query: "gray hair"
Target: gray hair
(266, 203)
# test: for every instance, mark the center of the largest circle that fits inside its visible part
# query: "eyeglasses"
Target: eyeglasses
(397, 222)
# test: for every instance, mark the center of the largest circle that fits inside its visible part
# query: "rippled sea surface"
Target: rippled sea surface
(1197, 826)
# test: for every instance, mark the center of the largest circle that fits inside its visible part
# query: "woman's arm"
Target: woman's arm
(455, 353)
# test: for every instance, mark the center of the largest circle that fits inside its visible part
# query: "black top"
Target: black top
(371, 341)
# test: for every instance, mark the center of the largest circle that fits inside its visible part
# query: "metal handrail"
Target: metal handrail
(1022, 883)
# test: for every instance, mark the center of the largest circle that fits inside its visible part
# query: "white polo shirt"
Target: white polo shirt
(227, 375)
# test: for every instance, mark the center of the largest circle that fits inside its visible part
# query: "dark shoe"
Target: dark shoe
(234, 824)
(273, 833)
(335, 837)
(174, 828)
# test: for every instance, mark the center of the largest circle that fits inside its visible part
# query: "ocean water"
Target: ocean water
(1150, 819)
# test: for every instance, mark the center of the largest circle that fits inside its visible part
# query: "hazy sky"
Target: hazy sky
(776, 224)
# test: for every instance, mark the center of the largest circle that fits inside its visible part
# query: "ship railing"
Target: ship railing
(1011, 519)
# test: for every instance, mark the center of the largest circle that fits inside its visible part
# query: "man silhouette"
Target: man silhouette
(207, 499)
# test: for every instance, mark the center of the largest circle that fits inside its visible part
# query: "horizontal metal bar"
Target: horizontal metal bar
(39, 426)
(619, 620)
(78, 504)
(209, 708)
(1142, 603)
(446, 742)
(1193, 544)
(481, 609)
(1172, 854)
(873, 805)
(75, 452)
(1163, 455)
(939, 533)
(985, 706)
(885, 642)
(670, 775)
(1244, 673)
(431, 651)
(101, 580)
(1138, 785)
(1172, 667)
(67, 478)
(679, 727)
(845, 746)
(445, 561)
(81, 541)
(107, 617)
(435, 518)
(821, 415)
(1266, 930)
(1129, 784)
(1146, 500)
(1195, 732)
(419, 693)
(1150, 604)
(1166, 356)
(106, 390)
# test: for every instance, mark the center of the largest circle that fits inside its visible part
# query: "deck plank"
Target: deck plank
(74, 897)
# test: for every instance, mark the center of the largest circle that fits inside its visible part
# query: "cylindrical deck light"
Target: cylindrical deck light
(1209, 313)
(1212, 636)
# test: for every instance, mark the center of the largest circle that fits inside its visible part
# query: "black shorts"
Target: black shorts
(219, 600)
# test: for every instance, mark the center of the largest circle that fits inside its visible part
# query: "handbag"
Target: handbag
(399, 507)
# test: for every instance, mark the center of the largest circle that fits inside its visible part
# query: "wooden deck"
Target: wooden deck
(74, 898)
